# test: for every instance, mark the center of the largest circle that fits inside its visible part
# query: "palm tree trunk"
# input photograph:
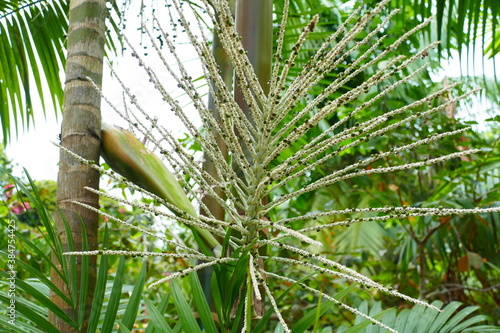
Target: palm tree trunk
(254, 22)
(80, 133)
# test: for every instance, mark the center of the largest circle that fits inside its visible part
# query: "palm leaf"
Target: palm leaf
(34, 303)
(113, 304)
(184, 310)
(421, 320)
(135, 299)
(201, 304)
(158, 323)
(100, 288)
(33, 40)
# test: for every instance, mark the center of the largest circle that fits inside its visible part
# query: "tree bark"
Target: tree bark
(80, 133)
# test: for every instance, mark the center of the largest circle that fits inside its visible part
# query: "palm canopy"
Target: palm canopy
(459, 24)
(31, 41)
(32, 60)
(33, 32)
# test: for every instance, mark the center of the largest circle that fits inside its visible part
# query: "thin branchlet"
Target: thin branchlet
(339, 303)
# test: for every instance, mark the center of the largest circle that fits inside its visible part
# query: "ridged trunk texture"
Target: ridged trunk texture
(80, 133)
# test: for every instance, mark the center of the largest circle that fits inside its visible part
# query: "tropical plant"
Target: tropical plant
(32, 301)
(31, 41)
(33, 37)
(460, 24)
(16, 203)
(245, 275)
(419, 319)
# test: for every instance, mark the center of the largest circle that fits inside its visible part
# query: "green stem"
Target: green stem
(248, 299)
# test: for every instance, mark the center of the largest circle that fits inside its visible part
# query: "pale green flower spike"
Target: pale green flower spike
(255, 140)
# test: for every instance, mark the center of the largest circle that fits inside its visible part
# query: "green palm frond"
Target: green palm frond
(454, 317)
(33, 58)
(32, 54)
(459, 23)
(32, 300)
